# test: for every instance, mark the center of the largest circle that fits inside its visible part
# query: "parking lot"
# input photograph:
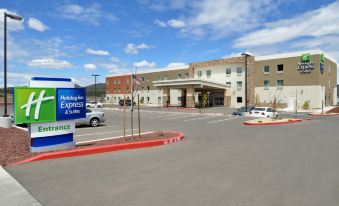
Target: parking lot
(220, 162)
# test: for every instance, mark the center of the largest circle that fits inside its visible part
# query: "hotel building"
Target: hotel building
(282, 79)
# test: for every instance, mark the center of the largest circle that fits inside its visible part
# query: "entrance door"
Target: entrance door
(218, 101)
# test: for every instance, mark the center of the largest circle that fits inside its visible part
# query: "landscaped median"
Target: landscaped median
(266, 121)
(15, 149)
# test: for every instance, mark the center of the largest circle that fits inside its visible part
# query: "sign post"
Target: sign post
(49, 106)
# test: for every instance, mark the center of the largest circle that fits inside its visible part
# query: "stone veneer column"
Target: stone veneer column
(227, 97)
(191, 71)
(166, 97)
(190, 97)
(250, 81)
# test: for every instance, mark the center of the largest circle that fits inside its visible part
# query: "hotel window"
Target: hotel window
(143, 79)
(199, 74)
(147, 78)
(119, 90)
(186, 75)
(208, 73)
(178, 76)
(239, 85)
(266, 69)
(228, 83)
(228, 72)
(165, 77)
(118, 81)
(147, 88)
(115, 90)
(239, 71)
(280, 84)
(115, 81)
(266, 84)
(280, 68)
(239, 99)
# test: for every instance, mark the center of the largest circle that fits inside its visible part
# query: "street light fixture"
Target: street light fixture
(246, 55)
(95, 86)
(18, 18)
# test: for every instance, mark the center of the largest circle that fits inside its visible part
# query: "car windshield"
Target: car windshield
(259, 109)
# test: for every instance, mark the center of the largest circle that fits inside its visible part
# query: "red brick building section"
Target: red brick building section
(118, 84)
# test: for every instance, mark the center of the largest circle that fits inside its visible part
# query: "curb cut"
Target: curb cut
(103, 149)
(325, 114)
(273, 123)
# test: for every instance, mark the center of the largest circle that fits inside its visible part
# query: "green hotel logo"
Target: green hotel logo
(306, 58)
(34, 105)
(322, 58)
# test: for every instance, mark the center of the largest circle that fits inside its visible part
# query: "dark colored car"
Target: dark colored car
(241, 110)
(128, 102)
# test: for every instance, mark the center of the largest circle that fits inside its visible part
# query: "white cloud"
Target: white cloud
(36, 24)
(162, 5)
(12, 25)
(91, 14)
(233, 54)
(316, 23)
(177, 65)
(49, 63)
(160, 23)
(114, 68)
(115, 59)
(134, 49)
(90, 67)
(97, 52)
(144, 64)
(176, 23)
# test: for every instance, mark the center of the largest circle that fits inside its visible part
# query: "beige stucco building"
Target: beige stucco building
(284, 80)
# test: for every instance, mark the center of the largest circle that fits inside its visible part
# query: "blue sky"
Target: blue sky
(79, 38)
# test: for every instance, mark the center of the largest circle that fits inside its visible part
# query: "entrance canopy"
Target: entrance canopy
(184, 83)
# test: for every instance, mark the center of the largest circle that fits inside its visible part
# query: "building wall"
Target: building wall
(118, 84)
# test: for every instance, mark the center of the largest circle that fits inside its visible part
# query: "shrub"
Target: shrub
(306, 105)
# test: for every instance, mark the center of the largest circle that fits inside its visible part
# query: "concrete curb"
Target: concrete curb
(325, 114)
(103, 149)
(13, 193)
(272, 123)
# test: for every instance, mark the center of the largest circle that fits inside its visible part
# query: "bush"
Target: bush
(306, 105)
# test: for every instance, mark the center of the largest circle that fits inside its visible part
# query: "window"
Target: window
(269, 110)
(158, 78)
(228, 83)
(118, 81)
(280, 68)
(266, 84)
(118, 90)
(266, 69)
(115, 90)
(228, 71)
(147, 88)
(239, 71)
(239, 84)
(147, 78)
(142, 88)
(186, 75)
(165, 77)
(208, 73)
(178, 76)
(115, 81)
(115, 98)
(239, 99)
(199, 74)
(280, 84)
(143, 79)
(147, 99)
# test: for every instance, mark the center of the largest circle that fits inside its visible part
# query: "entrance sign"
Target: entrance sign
(49, 106)
(322, 63)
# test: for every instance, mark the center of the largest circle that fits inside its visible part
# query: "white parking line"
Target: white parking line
(187, 120)
(160, 115)
(81, 135)
(182, 117)
(221, 120)
(94, 127)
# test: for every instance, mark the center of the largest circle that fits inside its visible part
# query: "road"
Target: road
(220, 162)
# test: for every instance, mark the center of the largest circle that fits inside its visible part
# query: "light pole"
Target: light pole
(18, 18)
(95, 86)
(246, 55)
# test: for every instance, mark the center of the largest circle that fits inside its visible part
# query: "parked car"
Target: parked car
(265, 112)
(93, 118)
(240, 111)
(93, 105)
(128, 102)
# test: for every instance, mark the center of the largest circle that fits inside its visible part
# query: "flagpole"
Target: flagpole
(132, 89)
(125, 115)
(139, 116)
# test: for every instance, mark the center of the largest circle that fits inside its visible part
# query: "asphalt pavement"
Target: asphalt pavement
(220, 162)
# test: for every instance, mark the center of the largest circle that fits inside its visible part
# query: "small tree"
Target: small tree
(306, 105)
(204, 101)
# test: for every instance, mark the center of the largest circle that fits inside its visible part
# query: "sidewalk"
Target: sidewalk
(12, 193)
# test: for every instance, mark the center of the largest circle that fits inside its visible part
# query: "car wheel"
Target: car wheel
(88, 106)
(99, 106)
(276, 116)
(94, 122)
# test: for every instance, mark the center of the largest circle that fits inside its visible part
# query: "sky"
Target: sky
(76, 39)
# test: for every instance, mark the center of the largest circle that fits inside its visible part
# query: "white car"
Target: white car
(263, 112)
(93, 118)
(93, 105)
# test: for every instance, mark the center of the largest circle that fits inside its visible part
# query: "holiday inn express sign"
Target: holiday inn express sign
(50, 111)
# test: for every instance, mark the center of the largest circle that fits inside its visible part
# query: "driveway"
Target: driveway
(218, 163)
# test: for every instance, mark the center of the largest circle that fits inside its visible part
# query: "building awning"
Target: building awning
(184, 83)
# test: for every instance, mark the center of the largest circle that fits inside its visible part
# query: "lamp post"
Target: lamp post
(18, 18)
(95, 86)
(246, 55)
